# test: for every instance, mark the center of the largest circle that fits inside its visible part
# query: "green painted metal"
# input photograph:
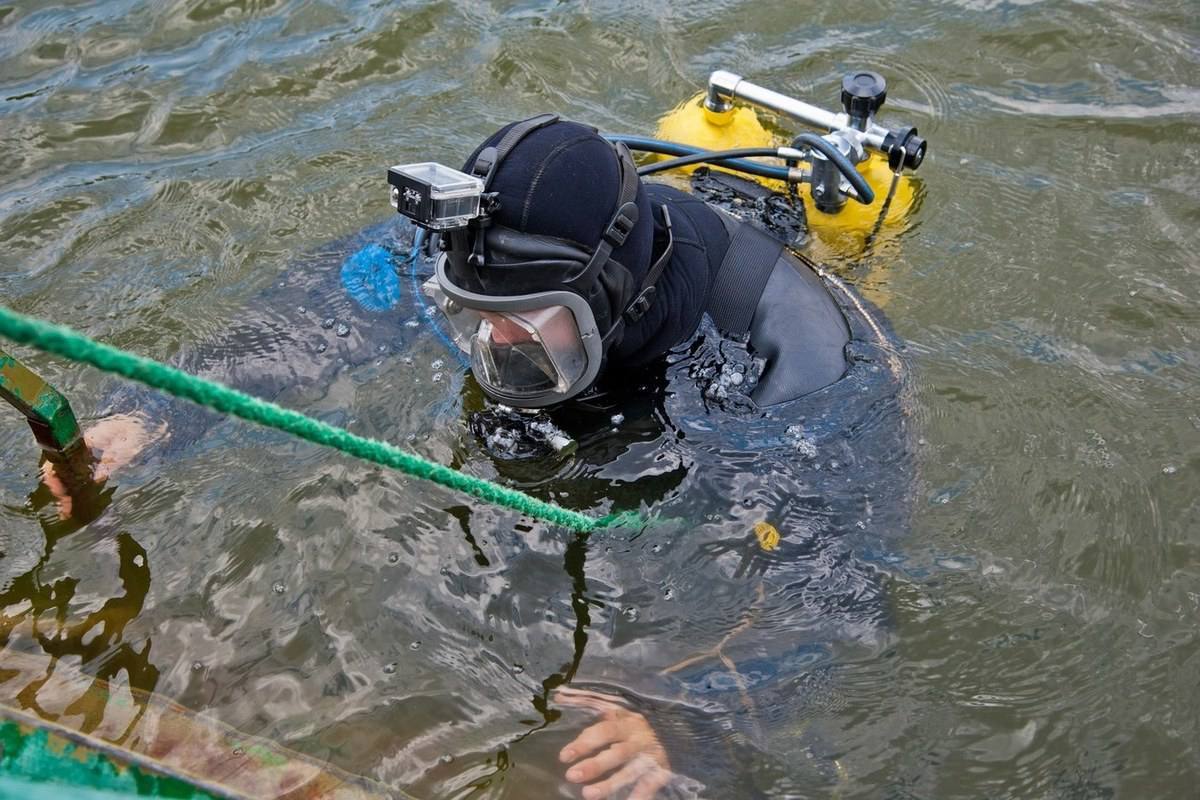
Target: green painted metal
(38, 763)
(48, 412)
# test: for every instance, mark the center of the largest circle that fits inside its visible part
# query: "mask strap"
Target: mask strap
(488, 158)
(623, 221)
(640, 304)
(485, 167)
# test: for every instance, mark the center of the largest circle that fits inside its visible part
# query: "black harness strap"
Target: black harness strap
(742, 277)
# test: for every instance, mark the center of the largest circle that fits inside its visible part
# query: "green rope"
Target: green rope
(76, 346)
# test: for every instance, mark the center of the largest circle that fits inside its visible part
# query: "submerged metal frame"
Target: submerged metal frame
(48, 413)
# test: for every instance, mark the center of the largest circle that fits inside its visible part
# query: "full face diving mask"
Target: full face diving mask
(545, 342)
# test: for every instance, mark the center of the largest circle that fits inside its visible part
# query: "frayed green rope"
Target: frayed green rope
(76, 346)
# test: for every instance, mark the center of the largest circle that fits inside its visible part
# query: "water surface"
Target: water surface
(171, 168)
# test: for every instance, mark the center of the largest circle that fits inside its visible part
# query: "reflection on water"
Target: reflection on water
(174, 174)
(50, 611)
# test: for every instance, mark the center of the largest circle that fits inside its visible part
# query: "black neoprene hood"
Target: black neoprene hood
(561, 183)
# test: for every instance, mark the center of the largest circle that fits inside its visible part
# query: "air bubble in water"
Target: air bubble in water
(342, 329)
(630, 613)
(438, 363)
(278, 587)
(802, 443)
(1169, 469)
(393, 558)
(415, 646)
(389, 669)
(412, 323)
(322, 347)
(197, 666)
(517, 669)
(302, 309)
(328, 323)
(437, 377)
(617, 419)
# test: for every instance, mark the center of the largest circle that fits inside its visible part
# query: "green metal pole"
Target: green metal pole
(48, 412)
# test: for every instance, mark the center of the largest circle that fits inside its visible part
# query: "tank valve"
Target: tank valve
(863, 93)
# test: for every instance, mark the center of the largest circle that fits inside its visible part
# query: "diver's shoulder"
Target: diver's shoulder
(683, 204)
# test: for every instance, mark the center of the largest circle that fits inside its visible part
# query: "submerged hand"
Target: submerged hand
(621, 743)
(110, 444)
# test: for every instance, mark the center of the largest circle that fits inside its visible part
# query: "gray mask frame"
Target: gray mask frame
(584, 320)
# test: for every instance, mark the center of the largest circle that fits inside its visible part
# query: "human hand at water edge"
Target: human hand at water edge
(621, 743)
(109, 445)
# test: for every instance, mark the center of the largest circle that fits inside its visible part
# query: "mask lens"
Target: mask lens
(528, 353)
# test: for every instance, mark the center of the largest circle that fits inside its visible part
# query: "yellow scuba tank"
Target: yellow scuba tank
(691, 123)
(837, 236)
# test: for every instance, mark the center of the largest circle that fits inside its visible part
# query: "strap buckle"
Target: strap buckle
(640, 305)
(622, 224)
(484, 162)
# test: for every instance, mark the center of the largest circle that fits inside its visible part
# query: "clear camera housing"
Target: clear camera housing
(435, 196)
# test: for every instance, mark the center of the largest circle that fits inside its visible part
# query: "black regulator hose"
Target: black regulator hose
(732, 159)
(713, 156)
(647, 144)
(866, 195)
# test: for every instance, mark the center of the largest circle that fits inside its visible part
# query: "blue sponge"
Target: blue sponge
(369, 276)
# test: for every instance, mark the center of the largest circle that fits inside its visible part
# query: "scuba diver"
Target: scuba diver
(578, 271)
(561, 272)
(561, 277)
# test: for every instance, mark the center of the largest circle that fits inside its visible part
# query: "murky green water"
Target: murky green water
(170, 168)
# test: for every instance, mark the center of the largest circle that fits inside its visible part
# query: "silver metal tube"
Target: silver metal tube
(725, 87)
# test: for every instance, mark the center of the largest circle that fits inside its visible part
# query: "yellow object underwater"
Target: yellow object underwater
(768, 536)
(843, 234)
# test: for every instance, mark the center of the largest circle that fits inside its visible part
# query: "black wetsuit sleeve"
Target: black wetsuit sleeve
(793, 322)
(800, 331)
(289, 344)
